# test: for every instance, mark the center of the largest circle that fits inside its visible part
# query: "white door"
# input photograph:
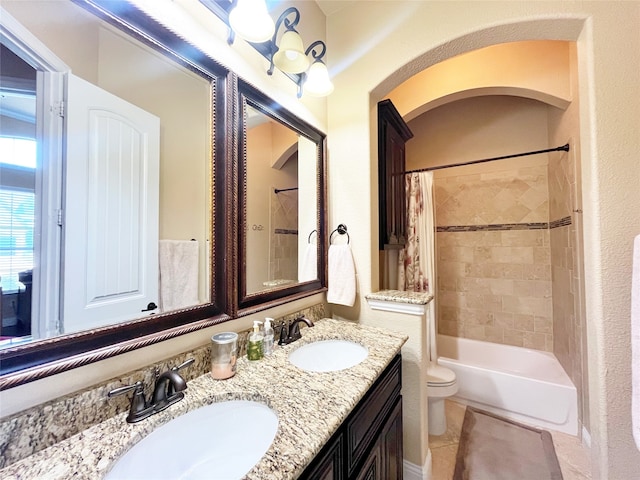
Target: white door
(110, 264)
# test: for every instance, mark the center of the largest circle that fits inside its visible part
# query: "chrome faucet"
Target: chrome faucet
(168, 389)
(291, 332)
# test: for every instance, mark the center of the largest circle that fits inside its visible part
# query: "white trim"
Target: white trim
(412, 471)
(586, 437)
(50, 85)
(397, 307)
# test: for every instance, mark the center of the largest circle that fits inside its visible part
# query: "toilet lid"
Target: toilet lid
(440, 376)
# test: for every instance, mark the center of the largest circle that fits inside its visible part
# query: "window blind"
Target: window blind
(17, 219)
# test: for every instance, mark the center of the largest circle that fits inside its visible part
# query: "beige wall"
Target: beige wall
(374, 50)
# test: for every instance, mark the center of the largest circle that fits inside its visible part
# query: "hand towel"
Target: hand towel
(342, 276)
(635, 342)
(309, 266)
(178, 274)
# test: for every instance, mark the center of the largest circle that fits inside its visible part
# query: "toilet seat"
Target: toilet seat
(440, 376)
(441, 382)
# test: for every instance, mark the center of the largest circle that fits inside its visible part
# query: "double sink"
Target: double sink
(204, 443)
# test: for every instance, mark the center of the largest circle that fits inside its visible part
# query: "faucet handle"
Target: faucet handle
(184, 364)
(122, 390)
(283, 337)
(138, 409)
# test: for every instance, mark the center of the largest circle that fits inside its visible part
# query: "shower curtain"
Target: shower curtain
(416, 262)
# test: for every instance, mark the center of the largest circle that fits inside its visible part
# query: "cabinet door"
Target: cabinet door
(393, 133)
(329, 465)
(373, 465)
(391, 442)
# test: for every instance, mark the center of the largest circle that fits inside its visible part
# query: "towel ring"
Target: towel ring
(341, 229)
(312, 232)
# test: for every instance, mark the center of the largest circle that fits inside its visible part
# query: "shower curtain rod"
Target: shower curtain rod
(564, 148)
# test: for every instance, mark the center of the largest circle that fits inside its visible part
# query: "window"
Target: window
(17, 210)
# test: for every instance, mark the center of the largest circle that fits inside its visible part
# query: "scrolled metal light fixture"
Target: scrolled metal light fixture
(249, 19)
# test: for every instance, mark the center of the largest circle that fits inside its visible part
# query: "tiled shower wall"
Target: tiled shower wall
(283, 255)
(566, 271)
(494, 256)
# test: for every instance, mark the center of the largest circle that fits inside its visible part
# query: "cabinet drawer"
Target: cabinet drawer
(363, 426)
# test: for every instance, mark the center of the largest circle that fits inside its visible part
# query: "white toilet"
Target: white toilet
(441, 384)
(441, 381)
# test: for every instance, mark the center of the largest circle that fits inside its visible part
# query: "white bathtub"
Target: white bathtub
(524, 385)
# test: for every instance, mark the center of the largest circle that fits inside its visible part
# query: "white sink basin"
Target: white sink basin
(328, 355)
(219, 441)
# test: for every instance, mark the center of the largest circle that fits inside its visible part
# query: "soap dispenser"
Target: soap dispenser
(254, 345)
(267, 345)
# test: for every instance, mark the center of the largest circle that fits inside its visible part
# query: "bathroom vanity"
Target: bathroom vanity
(344, 424)
(368, 445)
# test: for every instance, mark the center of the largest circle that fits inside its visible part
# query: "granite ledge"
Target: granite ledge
(320, 401)
(401, 296)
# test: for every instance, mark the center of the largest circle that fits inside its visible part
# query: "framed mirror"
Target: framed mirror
(107, 220)
(281, 234)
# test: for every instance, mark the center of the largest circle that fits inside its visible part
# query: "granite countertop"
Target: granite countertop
(310, 408)
(401, 296)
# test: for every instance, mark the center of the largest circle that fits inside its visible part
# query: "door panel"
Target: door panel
(110, 260)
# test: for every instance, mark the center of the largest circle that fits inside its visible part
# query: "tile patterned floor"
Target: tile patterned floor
(573, 456)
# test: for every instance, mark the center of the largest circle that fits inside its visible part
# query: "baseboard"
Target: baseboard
(411, 471)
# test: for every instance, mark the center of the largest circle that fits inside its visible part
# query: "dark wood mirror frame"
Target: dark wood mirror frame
(40, 359)
(249, 303)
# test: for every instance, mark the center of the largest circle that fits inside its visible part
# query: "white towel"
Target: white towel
(635, 342)
(342, 276)
(309, 266)
(178, 274)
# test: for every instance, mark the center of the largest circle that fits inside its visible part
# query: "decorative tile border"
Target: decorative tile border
(285, 231)
(506, 226)
(494, 227)
(563, 222)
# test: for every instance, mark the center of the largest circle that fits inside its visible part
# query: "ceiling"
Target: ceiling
(330, 7)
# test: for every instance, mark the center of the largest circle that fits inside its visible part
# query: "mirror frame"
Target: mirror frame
(42, 358)
(253, 302)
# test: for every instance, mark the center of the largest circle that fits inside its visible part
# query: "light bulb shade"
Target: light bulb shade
(250, 20)
(318, 83)
(290, 57)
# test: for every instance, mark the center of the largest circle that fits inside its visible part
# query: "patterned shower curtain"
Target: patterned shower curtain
(416, 269)
(416, 262)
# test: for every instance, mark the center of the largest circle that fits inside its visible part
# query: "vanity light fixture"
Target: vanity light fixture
(250, 20)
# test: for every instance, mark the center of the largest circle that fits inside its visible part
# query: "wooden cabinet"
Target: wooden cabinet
(393, 133)
(368, 445)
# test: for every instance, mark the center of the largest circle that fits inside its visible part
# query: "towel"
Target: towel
(309, 266)
(342, 276)
(178, 274)
(635, 342)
